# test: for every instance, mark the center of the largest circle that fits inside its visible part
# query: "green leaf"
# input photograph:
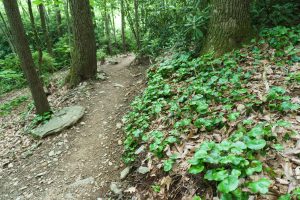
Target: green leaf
(196, 198)
(256, 131)
(216, 175)
(256, 144)
(202, 107)
(286, 106)
(227, 196)
(196, 169)
(260, 186)
(203, 122)
(240, 195)
(225, 145)
(285, 197)
(171, 139)
(278, 147)
(168, 165)
(255, 166)
(229, 184)
(182, 123)
(194, 161)
(157, 108)
(238, 147)
(233, 116)
(200, 154)
(283, 123)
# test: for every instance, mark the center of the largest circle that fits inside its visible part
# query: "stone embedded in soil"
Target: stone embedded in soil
(61, 120)
(125, 173)
(139, 150)
(143, 170)
(83, 182)
(115, 189)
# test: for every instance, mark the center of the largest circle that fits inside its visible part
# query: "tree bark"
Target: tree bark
(137, 23)
(23, 51)
(123, 25)
(84, 62)
(7, 33)
(130, 20)
(66, 9)
(229, 26)
(44, 28)
(113, 25)
(107, 28)
(58, 20)
(35, 33)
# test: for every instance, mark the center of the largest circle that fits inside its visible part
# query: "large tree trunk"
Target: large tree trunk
(123, 25)
(229, 26)
(35, 33)
(23, 51)
(44, 28)
(84, 62)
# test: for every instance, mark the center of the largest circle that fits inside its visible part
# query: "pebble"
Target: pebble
(124, 173)
(143, 170)
(51, 153)
(115, 189)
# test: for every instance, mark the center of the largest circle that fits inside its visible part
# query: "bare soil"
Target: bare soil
(81, 162)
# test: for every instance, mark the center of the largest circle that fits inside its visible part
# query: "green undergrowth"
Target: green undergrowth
(7, 107)
(189, 99)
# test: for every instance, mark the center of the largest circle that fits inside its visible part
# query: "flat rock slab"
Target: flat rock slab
(61, 120)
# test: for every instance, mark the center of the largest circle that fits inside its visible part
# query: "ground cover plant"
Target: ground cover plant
(229, 124)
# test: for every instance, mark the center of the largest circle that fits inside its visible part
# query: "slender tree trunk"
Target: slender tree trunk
(35, 33)
(113, 23)
(229, 26)
(112, 20)
(58, 20)
(23, 51)
(66, 9)
(137, 23)
(107, 29)
(44, 28)
(123, 25)
(130, 20)
(7, 33)
(84, 62)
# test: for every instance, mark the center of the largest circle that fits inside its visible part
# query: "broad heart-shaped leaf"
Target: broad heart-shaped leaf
(240, 195)
(256, 131)
(260, 186)
(200, 154)
(233, 116)
(196, 198)
(196, 169)
(256, 144)
(216, 175)
(168, 164)
(236, 194)
(194, 161)
(229, 184)
(202, 107)
(255, 166)
(285, 197)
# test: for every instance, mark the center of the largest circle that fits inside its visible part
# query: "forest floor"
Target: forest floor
(83, 161)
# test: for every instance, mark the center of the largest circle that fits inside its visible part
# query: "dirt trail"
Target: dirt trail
(81, 162)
